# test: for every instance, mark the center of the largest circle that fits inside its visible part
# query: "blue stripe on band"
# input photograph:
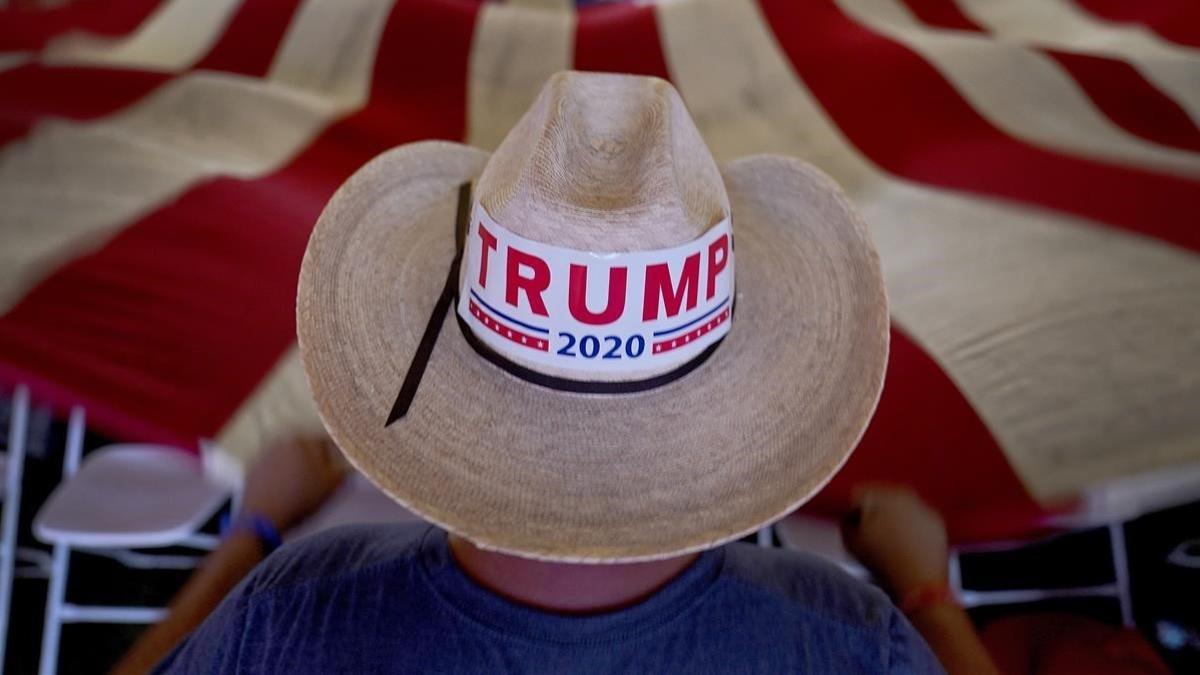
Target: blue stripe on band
(693, 321)
(506, 317)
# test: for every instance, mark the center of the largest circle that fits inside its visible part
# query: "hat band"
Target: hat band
(566, 384)
(582, 320)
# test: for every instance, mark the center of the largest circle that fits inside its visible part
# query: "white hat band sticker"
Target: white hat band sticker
(641, 313)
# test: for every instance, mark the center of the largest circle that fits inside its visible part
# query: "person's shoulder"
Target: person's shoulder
(338, 553)
(842, 612)
(809, 584)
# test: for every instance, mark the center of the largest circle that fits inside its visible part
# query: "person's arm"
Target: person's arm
(288, 482)
(952, 637)
(903, 542)
(216, 576)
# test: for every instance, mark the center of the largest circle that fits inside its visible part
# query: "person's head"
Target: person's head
(594, 344)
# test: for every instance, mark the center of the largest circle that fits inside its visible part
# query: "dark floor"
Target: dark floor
(1166, 596)
(84, 648)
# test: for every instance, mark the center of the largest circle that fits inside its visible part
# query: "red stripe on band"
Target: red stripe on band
(689, 337)
(502, 330)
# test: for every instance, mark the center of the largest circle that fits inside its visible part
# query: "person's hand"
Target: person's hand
(291, 479)
(898, 537)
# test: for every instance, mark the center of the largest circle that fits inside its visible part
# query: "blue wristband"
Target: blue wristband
(260, 526)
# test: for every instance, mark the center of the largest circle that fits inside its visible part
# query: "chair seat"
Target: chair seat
(356, 501)
(130, 496)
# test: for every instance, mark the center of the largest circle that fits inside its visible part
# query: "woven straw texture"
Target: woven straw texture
(744, 439)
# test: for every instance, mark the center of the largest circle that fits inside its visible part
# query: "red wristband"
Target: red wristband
(927, 595)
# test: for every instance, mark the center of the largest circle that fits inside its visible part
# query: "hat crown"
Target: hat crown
(606, 163)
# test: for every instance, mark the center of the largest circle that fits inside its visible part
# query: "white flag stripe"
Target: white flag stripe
(514, 50)
(558, 5)
(1024, 93)
(177, 35)
(10, 60)
(1063, 305)
(1063, 23)
(1173, 68)
(69, 186)
(330, 48)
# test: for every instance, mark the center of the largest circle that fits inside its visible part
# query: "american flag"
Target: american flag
(1029, 169)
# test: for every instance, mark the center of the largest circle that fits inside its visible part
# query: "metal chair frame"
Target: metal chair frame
(10, 506)
(58, 610)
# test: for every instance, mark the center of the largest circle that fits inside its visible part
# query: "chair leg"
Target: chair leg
(61, 556)
(1116, 538)
(10, 506)
(764, 537)
(55, 595)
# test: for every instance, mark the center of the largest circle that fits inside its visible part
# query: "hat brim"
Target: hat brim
(512, 466)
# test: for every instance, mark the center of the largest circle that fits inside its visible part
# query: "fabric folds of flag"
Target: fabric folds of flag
(1031, 177)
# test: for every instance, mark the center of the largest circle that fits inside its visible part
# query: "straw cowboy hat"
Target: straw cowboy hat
(557, 350)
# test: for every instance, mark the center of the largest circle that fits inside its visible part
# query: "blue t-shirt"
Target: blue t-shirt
(391, 599)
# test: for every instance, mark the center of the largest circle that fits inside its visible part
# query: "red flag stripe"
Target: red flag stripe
(1177, 21)
(902, 114)
(942, 14)
(923, 420)
(926, 435)
(1121, 92)
(229, 251)
(34, 92)
(250, 40)
(1117, 88)
(23, 29)
(620, 39)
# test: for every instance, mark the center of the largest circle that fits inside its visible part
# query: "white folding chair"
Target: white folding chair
(1118, 588)
(1109, 505)
(821, 537)
(122, 497)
